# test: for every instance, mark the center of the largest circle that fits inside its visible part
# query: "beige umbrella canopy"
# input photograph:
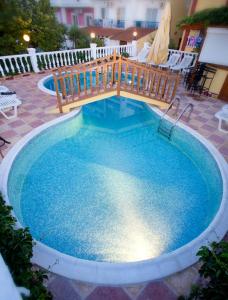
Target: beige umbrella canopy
(159, 50)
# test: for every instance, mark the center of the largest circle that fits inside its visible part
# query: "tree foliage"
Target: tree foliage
(213, 272)
(81, 38)
(33, 17)
(212, 16)
(16, 250)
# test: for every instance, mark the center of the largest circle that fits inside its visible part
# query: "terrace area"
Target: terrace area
(38, 108)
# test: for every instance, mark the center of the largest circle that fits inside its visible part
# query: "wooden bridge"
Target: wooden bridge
(113, 75)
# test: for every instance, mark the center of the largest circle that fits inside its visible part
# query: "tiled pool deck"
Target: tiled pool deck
(34, 111)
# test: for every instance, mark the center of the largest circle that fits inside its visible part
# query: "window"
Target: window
(151, 14)
(103, 13)
(75, 20)
(121, 13)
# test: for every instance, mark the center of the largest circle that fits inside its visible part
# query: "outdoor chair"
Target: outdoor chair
(3, 89)
(9, 101)
(172, 61)
(2, 143)
(222, 116)
(142, 55)
(184, 64)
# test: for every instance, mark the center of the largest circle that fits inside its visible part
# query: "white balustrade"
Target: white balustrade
(35, 62)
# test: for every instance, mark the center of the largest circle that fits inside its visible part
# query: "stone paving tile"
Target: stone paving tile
(108, 293)
(134, 290)
(62, 289)
(35, 110)
(157, 291)
(181, 282)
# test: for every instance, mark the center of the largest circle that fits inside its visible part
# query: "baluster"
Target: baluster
(167, 93)
(146, 82)
(71, 87)
(176, 80)
(139, 79)
(1, 70)
(22, 65)
(59, 98)
(11, 66)
(17, 65)
(5, 65)
(85, 81)
(105, 77)
(164, 87)
(55, 60)
(78, 84)
(126, 75)
(28, 64)
(97, 79)
(61, 59)
(152, 82)
(133, 78)
(91, 81)
(158, 85)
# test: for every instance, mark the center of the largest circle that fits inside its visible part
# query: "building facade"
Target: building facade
(193, 39)
(109, 13)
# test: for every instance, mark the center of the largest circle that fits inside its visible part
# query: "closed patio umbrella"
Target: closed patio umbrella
(159, 50)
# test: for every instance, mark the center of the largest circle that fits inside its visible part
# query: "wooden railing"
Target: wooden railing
(113, 73)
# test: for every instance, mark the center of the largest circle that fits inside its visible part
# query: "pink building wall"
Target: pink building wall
(80, 12)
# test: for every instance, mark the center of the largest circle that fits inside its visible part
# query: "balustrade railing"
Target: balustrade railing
(36, 62)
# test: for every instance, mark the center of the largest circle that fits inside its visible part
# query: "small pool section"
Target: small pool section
(47, 84)
(105, 186)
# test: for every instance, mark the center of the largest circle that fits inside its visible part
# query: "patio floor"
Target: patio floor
(34, 111)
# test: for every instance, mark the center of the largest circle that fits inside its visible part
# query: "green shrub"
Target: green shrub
(125, 54)
(212, 16)
(213, 272)
(16, 249)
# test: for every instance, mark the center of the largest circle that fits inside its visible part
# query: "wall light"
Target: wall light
(135, 33)
(26, 37)
(92, 35)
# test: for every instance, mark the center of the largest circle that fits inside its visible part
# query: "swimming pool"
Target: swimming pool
(47, 84)
(103, 188)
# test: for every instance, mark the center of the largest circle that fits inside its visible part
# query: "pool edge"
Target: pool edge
(132, 272)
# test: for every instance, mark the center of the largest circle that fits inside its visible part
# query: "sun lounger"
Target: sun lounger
(142, 55)
(222, 116)
(172, 61)
(184, 64)
(6, 103)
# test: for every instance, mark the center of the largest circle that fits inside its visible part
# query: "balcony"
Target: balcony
(111, 23)
(108, 23)
(146, 24)
(71, 3)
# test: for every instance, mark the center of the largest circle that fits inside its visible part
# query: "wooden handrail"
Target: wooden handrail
(151, 82)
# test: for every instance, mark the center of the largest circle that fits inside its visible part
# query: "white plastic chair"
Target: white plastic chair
(3, 89)
(172, 61)
(6, 103)
(184, 64)
(222, 116)
(142, 55)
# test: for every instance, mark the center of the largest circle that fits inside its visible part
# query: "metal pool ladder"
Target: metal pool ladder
(166, 130)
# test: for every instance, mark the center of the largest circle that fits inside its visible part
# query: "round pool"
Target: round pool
(103, 193)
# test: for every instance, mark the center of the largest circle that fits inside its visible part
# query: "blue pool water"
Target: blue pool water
(50, 85)
(105, 186)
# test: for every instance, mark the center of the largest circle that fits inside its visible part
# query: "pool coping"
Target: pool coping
(40, 85)
(131, 272)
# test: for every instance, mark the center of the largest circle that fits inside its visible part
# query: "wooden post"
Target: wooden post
(119, 75)
(59, 102)
(113, 67)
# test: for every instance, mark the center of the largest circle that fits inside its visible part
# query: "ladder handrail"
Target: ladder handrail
(183, 111)
(189, 106)
(170, 106)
